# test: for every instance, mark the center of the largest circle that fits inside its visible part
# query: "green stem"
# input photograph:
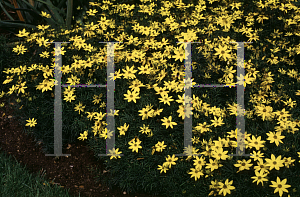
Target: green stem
(69, 13)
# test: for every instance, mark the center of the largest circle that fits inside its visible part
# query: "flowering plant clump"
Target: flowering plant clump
(149, 76)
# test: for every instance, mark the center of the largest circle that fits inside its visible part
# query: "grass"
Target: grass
(16, 180)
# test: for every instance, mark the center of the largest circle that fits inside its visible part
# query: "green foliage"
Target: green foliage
(17, 181)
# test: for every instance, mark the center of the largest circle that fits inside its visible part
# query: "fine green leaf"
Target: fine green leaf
(10, 24)
(50, 21)
(69, 13)
(54, 11)
(9, 16)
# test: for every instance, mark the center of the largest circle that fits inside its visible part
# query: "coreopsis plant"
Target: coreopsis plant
(150, 100)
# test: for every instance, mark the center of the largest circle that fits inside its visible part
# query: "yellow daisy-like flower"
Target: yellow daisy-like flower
(275, 162)
(223, 52)
(280, 186)
(163, 168)
(275, 137)
(19, 49)
(171, 160)
(43, 27)
(225, 188)
(83, 136)
(31, 123)
(259, 177)
(131, 96)
(180, 54)
(242, 165)
(22, 33)
(168, 122)
(44, 14)
(79, 107)
(114, 153)
(196, 172)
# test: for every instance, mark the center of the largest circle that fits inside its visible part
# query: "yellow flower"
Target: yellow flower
(235, 5)
(259, 177)
(41, 41)
(290, 103)
(257, 155)
(288, 161)
(220, 154)
(70, 97)
(31, 123)
(79, 107)
(159, 147)
(225, 188)
(145, 113)
(129, 73)
(22, 33)
(264, 111)
(168, 122)
(106, 133)
(196, 172)
(171, 160)
(261, 18)
(135, 145)
(91, 12)
(217, 122)
(280, 186)
(245, 80)
(45, 85)
(275, 137)
(257, 143)
(57, 51)
(123, 129)
(44, 14)
(180, 54)
(225, 21)
(21, 87)
(163, 168)
(275, 162)
(199, 162)
(165, 99)
(145, 129)
(83, 136)
(242, 165)
(19, 49)
(261, 166)
(131, 96)
(43, 27)
(44, 54)
(223, 52)
(115, 154)
(213, 164)
(79, 42)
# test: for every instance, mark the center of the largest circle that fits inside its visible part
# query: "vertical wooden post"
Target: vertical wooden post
(31, 2)
(18, 11)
